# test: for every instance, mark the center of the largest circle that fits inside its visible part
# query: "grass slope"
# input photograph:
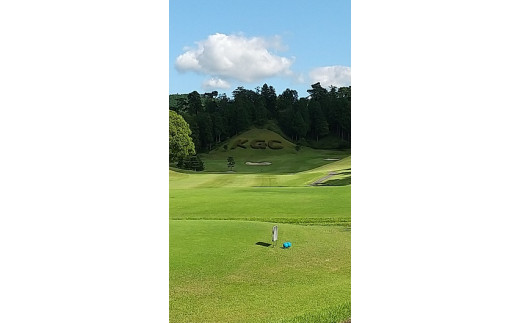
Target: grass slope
(219, 274)
(186, 179)
(258, 197)
(285, 160)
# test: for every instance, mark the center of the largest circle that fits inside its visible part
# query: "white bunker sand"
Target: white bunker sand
(258, 163)
(331, 159)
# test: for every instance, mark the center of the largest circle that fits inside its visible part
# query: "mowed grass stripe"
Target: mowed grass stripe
(192, 180)
(294, 204)
(219, 274)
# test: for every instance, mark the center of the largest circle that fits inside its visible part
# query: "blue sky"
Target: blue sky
(220, 45)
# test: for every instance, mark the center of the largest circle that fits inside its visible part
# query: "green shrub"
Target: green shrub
(191, 163)
(258, 144)
(272, 145)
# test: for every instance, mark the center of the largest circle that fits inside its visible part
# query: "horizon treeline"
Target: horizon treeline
(214, 117)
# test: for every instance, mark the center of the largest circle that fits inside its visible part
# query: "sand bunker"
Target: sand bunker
(258, 163)
(331, 159)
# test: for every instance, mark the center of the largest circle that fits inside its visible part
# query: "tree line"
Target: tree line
(214, 117)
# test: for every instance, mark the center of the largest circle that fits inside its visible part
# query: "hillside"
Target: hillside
(268, 147)
(319, 121)
(247, 139)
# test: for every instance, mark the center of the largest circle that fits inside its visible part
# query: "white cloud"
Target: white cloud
(215, 83)
(336, 75)
(235, 57)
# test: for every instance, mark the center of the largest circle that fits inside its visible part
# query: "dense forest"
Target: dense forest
(214, 117)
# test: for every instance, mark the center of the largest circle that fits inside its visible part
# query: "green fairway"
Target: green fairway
(271, 204)
(218, 273)
(191, 179)
(220, 221)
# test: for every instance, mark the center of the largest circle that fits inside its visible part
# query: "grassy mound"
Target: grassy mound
(286, 159)
(247, 138)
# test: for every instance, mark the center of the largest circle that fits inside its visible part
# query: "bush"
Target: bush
(191, 163)
(302, 142)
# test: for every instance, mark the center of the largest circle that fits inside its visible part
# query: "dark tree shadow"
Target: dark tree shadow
(336, 182)
(263, 244)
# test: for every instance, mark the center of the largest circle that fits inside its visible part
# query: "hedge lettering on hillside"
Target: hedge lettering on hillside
(258, 144)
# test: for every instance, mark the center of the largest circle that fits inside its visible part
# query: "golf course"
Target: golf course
(224, 266)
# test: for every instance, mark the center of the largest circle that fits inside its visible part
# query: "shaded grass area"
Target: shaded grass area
(221, 274)
(336, 182)
(282, 163)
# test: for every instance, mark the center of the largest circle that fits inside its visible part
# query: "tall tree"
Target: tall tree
(181, 145)
(218, 126)
(317, 92)
(195, 131)
(299, 126)
(289, 98)
(319, 124)
(211, 106)
(205, 130)
(321, 113)
(194, 103)
(242, 118)
(303, 108)
(260, 112)
(269, 95)
(178, 103)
